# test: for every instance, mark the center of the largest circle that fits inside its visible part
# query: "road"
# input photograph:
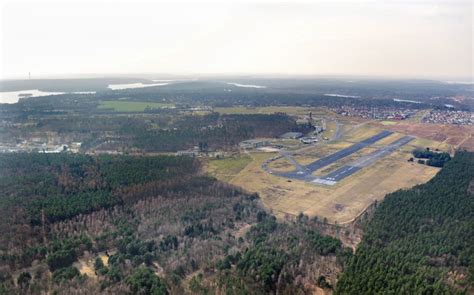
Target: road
(289, 154)
(362, 162)
(305, 172)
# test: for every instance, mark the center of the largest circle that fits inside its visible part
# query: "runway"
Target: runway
(362, 162)
(305, 172)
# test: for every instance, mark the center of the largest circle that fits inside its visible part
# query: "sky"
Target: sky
(422, 39)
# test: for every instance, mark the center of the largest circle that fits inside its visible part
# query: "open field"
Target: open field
(455, 135)
(345, 200)
(131, 106)
(281, 165)
(330, 129)
(418, 116)
(386, 123)
(340, 203)
(227, 168)
(361, 132)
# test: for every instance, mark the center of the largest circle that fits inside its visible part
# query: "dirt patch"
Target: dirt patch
(86, 267)
(458, 136)
(282, 165)
(159, 270)
(241, 229)
(468, 144)
(339, 207)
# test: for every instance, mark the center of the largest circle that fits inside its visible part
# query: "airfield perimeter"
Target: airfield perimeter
(381, 167)
(305, 172)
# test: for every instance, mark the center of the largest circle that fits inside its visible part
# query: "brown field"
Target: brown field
(330, 129)
(281, 165)
(361, 132)
(347, 199)
(85, 265)
(341, 203)
(468, 144)
(457, 136)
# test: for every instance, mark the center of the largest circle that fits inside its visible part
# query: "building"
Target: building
(292, 135)
(309, 140)
(318, 129)
(194, 152)
(253, 143)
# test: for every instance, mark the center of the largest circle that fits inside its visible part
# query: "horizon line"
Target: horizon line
(141, 75)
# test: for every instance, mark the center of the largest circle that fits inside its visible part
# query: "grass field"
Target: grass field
(281, 165)
(344, 201)
(131, 106)
(227, 168)
(330, 129)
(387, 123)
(361, 132)
(418, 116)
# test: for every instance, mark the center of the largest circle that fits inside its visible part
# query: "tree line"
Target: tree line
(419, 241)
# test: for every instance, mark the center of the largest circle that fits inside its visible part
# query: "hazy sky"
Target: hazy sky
(390, 38)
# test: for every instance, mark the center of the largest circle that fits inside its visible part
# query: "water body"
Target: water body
(14, 96)
(163, 81)
(83, 92)
(246, 85)
(461, 82)
(134, 85)
(406, 100)
(341, 95)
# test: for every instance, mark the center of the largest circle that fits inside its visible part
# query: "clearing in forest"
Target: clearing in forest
(344, 201)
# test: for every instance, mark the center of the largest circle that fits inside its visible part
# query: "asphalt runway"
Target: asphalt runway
(362, 162)
(305, 172)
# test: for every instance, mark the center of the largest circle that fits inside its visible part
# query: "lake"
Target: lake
(246, 85)
(14, 96)
(133, 85)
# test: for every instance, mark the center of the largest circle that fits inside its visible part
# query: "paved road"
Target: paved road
(305, 172)
(289, 154)
(362, 162)
(338, 134)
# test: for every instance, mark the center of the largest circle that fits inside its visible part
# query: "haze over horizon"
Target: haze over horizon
(429, 39)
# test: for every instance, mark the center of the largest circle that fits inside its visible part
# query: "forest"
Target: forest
(213, 131)
(217, 94)
(149, 225)
(164, 132)
(419, 241)
(435, 159)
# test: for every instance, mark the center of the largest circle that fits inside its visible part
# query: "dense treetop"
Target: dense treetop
(419, 240)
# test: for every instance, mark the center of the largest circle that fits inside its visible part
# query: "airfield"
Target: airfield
(335, 180)
(306, 172)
